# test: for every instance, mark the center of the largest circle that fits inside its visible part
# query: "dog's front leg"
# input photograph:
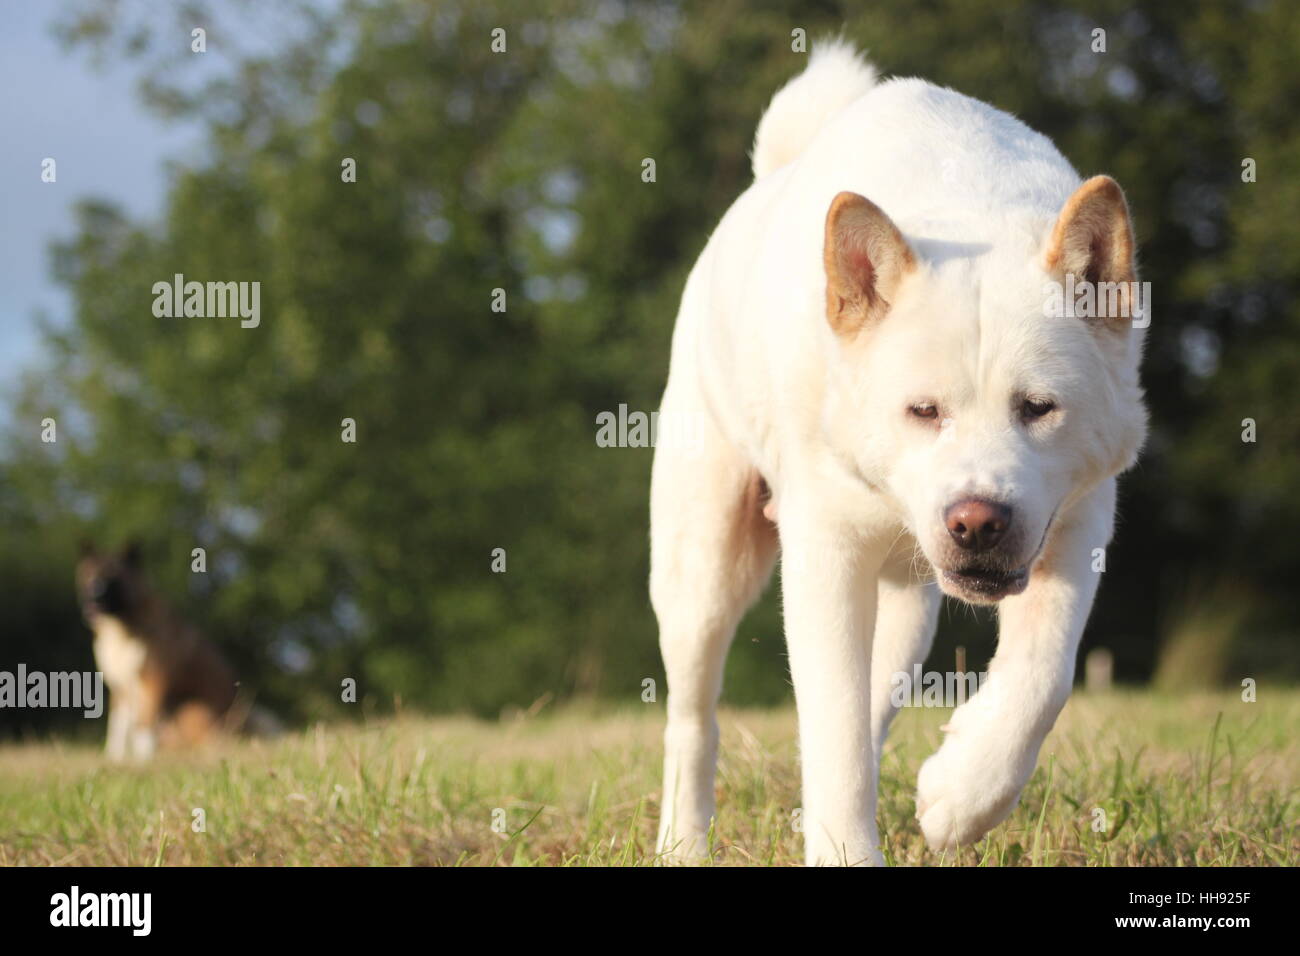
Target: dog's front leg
(147, 705)
(829, 595)
(974, 780)
(119, 725)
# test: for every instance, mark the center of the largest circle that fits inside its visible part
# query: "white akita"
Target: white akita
(886, 399)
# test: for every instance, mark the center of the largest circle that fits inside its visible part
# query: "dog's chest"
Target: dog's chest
(119, 654)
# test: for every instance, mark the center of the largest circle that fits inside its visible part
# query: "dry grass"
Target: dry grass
(1196, 780)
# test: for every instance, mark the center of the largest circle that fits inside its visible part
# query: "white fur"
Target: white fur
(860, 487)
(836, 76)
(120, 656)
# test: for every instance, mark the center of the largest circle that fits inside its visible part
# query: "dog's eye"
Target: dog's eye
(925, 410)
(1032, 408)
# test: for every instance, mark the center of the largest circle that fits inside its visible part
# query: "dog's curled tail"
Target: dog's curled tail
(836, 75)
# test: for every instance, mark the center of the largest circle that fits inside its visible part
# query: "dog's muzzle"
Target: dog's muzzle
(981, 585)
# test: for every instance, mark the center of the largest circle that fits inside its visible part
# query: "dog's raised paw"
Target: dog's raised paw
(955, 809)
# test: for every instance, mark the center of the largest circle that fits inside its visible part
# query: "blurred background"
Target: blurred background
(476, 429)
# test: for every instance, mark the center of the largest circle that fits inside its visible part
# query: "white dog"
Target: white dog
(889, 400)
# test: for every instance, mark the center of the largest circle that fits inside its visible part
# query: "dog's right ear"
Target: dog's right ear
(866, 258)
(85, 548)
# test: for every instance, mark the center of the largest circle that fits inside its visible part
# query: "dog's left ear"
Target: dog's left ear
(133, 554)
(1093, 236)
(866, 258)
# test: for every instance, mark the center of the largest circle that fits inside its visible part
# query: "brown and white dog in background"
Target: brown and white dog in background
(168, 686)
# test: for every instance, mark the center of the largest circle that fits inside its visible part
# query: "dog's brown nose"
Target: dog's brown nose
(975, 524)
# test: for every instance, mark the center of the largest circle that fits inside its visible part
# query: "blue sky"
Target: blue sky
(57, 104)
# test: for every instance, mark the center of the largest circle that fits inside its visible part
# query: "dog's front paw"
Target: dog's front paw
(681, 846)
(827, 853)
(962, 794)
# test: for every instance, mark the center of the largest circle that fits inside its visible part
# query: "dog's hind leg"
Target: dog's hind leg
(712, 550)
(193, 724)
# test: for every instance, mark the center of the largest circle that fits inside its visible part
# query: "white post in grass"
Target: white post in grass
(1098, 670)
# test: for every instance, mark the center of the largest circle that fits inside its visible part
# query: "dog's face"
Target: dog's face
(981, 416)
(109, 585)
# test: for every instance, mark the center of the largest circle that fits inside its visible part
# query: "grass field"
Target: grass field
(1201, 780)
